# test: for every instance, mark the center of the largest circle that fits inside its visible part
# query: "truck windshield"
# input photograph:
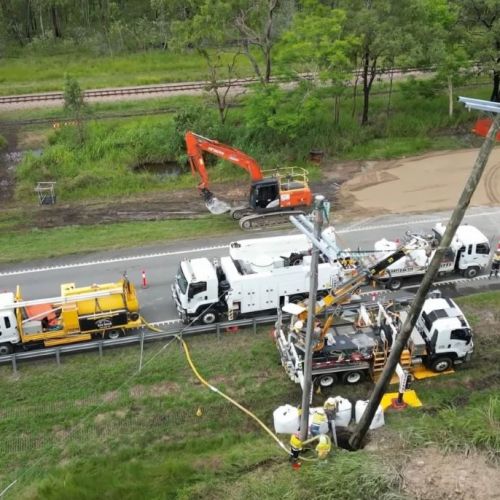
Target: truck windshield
(181, 280)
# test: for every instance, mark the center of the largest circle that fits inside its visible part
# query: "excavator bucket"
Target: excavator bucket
(216, 206)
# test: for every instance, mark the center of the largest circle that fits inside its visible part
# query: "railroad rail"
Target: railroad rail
(176, 87)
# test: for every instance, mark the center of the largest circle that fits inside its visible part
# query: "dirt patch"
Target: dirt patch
(356, 189)
(109, 397)
(154, 390)
(432, 475)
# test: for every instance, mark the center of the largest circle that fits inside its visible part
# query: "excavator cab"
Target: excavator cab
(263, 193)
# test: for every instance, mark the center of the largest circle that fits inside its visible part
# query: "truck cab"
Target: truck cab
(470, 247)
(8, 324)
(195, 289)
(442, 335)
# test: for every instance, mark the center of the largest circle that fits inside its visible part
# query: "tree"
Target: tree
(74, 104)
(385, 30)
(481, 20)
(210, 31)
(256, 24)
(314, 44)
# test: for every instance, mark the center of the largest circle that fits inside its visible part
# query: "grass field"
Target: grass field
(18, 245)
(97, 425)
(142, 68)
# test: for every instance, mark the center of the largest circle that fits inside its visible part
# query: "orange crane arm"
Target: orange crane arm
(197, 144)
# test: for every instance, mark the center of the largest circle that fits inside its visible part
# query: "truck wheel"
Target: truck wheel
(471, 272)
(395, 284)
(295, 299)
(352, 378)
(209, 318)
(113, 334)
(6, 349)
(440, 365)
(327, 380)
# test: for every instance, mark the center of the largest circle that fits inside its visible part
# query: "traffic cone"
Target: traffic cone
(374, 296)
(144, 280)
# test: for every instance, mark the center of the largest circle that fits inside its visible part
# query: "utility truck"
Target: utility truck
(355, 343)
(258, 275)
(77, 315)
(467, 255)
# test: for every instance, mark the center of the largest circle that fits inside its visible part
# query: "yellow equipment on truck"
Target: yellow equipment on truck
(77, 315)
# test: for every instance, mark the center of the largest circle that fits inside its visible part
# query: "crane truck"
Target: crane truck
(274, 194)
(261, 274)
(77, 315)
(467, 255)
(355, 345)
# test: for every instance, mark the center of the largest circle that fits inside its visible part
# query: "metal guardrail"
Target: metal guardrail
(143, 336)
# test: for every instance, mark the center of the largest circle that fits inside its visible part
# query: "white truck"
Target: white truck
(468, 253)
(260, 274)
(358, 342)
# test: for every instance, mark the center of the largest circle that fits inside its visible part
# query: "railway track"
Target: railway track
(172, 87)
(172, 328)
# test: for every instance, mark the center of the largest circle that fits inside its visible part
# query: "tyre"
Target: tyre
(471, 272)
(295, 299)
(352, 378)
(209, 318)
(440, 365)
(113, 334)
(395, 284)
(6, 349)
(326, 380)
(134, 316)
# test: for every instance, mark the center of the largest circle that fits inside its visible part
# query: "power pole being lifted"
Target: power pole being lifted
(416, 307)
(313, 289)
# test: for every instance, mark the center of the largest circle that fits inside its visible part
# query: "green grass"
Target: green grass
(97, 425)
(91, 71)
(18, 245)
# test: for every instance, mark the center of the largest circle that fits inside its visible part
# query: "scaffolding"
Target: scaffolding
(46, 193)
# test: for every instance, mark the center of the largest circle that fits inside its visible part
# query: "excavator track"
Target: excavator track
(256, 222)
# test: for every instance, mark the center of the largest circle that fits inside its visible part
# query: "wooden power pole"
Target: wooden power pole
(416, 307)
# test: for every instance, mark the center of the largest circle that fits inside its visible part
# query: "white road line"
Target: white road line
(350, 229)
(109, 261)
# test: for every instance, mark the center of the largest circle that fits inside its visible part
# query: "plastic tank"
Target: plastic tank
(378, 419)
(286, 419)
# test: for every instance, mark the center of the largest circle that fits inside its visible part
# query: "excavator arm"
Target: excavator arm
(197, 144)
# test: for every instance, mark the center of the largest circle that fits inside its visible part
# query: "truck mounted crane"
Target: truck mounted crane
(274, 194)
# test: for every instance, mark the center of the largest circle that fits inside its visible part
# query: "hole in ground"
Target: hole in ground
(343, 436)
(166, 168)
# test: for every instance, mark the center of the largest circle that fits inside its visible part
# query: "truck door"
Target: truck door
(8, 329)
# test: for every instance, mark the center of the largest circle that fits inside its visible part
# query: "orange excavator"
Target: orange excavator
(274, 195)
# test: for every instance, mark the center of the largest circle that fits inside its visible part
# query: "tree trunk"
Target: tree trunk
(495, 94)
(56, 28)
(355, 94)
(450, 96)
(391, 79)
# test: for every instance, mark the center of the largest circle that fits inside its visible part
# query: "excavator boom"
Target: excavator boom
(197, 144)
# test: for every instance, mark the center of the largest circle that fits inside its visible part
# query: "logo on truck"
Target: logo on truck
(104, 323)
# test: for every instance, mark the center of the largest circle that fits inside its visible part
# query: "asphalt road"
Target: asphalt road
(42, 278)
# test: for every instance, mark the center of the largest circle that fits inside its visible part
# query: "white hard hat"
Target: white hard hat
(298, 325)
(331, 401)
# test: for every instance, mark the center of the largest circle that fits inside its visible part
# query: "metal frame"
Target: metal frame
(480, 104)
(46, 193)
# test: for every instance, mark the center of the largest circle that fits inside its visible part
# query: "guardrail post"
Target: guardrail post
(58, 356)
(100, 349)
(218, 331)
(14, 364)
(254, 324)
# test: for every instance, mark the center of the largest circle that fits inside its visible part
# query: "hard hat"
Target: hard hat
(320, 411)
(331, 401)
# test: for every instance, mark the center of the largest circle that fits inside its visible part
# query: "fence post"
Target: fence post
(218, 331)
(254, 323)
(14, 364)
(100, 349)
(58, 356)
